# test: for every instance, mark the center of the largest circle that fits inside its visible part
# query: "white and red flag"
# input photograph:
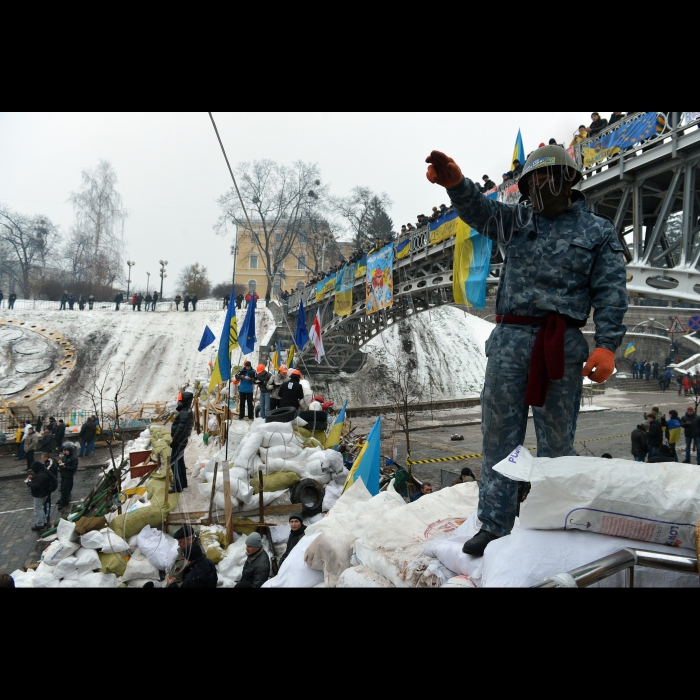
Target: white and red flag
(315, 337)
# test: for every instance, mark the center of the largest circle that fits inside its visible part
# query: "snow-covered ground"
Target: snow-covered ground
(158, 350)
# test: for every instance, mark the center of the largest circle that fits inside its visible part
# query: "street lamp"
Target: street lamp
(163, 263)
(148, 281)
(130, 263)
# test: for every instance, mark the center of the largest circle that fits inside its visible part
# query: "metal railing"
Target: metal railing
(161, 306)
(625, 560)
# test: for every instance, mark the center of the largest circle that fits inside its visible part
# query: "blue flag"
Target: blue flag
(301, 334)
(246, 336)
(207, 339)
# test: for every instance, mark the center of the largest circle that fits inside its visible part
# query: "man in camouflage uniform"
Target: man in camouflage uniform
(560, 261)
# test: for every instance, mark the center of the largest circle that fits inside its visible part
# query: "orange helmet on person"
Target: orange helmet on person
(284, 369)
(295, 373)
(260, 369)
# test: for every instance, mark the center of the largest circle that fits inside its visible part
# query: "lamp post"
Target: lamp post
(130, 263)
(148, 281)
(163, 263)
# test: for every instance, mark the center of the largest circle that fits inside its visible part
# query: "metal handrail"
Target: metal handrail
(625, 560)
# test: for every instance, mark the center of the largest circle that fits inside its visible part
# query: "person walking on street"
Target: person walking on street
(277, 381)
(178, 299)
(31, 445)
(690, 423)
(225, 303)
(655, 437)
(181, 431)
(245, 377)
(87, 438)
(187, 302)
(39, 483)
(673, 432)
(640, 444)
(194, 301)
(263, 380)
(67, 466)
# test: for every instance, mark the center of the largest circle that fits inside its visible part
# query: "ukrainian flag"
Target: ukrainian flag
(343, 291)
(290, 357)
(329, 284)
(361, 269)
(333, 439)
(403, 249)
(277, 356)
(518, 151)
(227, 344)
(319, 291)
(366, 465)
(630, 350)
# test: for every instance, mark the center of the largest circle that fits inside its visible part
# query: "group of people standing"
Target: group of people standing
(648, 437)
(70, 301)
(10, 300)
(137, 300)
(187, 302)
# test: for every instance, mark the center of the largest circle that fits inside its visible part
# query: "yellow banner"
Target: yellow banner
(447, 230)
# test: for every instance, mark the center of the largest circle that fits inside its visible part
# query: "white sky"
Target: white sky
(170, 169)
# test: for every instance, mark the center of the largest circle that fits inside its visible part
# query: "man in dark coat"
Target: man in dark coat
(187, 302)
(149, 301)
(11, 301)
(256, 569)
(118, 299)
(139, 301)
(181, 431)
(31, 445)
(40, 485)
(298, 529)
(466, 476)
(194, 301)
(67, 466)
(640, 443)
(239, 300)
(664, 454)
(199, 572)
(52, 468)
(58, 432)
(488, 185)
(690, 423)
(48, 441)
(178, 299)
(64, 301)
(655, 438)
(71, 302)
(91, 302)
(155, 301)
(87, 438)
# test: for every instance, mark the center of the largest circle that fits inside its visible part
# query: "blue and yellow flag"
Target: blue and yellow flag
(629, 134)
(403, 249)
(248, 338)
(227, 344)
(518, 151)
(290, 357)
(630, 349)
(333, 439)
(361, 269)
(366, 465)
(277, 357)
(344, 283)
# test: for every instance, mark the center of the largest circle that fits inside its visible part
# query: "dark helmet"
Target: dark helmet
(548, 156)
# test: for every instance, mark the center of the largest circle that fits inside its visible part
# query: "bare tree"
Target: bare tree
(318, 241)
(24, 244)
(277, 199)
(194, 280)
(362, 211)
(98, 233)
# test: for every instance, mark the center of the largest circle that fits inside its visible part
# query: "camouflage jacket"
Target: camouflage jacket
(568, 264)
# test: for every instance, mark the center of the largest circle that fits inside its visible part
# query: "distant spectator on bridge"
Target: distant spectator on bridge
(410, 228)
(507, 177)
(155, 301)
(615, 117)
(553, 142)
(71, 301)
(139, 301)
(149, 301)
(597, 125)
(579, 136)
(11, 300)
(422, 221)
(187, 302)
(488, 185)
(640, 443)
(178, 301)
(517, 168)
(194, 301)
(404, 230)
(64, 301)
(444, 211)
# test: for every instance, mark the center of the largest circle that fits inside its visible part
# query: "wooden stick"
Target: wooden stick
(262, 498)
(167, 486)
(227, 500)
(196, 415)
(213, 492)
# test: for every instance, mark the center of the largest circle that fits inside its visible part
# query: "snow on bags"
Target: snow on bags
(158, 547)
(362, 577)
(98, 580)
(657, 503)
(280, 452)
(57, 551)
(332, 494)
(66, 532)
(294, 573)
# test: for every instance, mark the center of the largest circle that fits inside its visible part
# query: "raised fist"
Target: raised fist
(443, 170)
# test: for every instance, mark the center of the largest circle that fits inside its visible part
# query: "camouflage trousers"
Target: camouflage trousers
(505, 415)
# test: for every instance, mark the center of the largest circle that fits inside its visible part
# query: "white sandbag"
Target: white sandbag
(87, 560)
(237, 473)
(332, 494)
(44, 568)
(64, 567)
(345, 508)
(46, 581)
(140, 568)
(294, 573)
(657, 503)
(98, 580)
(280, 452)
(527, 557)
(247, 450)
(459, 582)
(23, 579)
(66, 532)
(57, 551)
(158, 547)
(231, 566)
(362, 577)
(449, 551)
(333, 462)
(268, 429)
(65, 583)
(300, 422)
(96, 539)
(113, 543)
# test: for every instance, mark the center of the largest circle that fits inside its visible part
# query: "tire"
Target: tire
(281, 415)
(309, 494)
(311, 417)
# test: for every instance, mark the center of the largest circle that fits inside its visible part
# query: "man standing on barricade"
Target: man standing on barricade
(560, 261)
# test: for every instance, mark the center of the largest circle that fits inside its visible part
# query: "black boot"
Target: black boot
(477, 544)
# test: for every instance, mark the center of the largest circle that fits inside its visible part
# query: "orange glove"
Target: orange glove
(604, 363)
(443, 170)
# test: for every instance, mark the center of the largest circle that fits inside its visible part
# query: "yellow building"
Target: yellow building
(309, 254)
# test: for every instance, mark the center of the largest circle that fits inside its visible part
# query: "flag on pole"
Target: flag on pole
(630, 349)
(333, 439)
(290, 357)
(315, 337)
(277, 357)
(366, 466)
(518, 151)
(207, 339)
(247, 338)
(301, 334)
(227, 344)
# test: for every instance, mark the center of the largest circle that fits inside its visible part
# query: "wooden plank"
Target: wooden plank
(213, 491)
(227, 500)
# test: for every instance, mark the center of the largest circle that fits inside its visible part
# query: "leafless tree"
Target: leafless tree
(98, 231)
(277, 199)
(194, 280)
(362, 212)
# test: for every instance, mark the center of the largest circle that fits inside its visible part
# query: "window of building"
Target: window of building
(253, 262)
(301, 262)
(276, 288)
(278, 238)
(301, 286)
(303, 238)
(252, 284)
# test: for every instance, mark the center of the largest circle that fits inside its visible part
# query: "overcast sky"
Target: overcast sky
(170, 169)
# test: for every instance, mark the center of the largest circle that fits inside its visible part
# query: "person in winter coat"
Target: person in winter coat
(59, 432)
(155, 301)
(71, 302)
(11, 300)
(298, 528)
(134, 301)
(149, 301)
(48, 442)
(686, 385)
(199, 572)
(64, 301)
(1, 298)
(466, 476)
(425, 490)
(180, 432)
(118, 299)
(246, 378)
(597, 125)
(673, 432)
(87, 438)
(67, 466)
(239, 300)
(31, 444)
(655, 437)
(81, 302)
(263, 380)
(248, 299)
(178, 299)
(690, 423)
(194, 301)
(655, 370)
(52, 469)
(185, 539)
(679, 381)
(256, 569)
(291, 392)
(664, 454)
(39, 483)
(640, 445)
(187, 302)
(278, 380)
(52, 424)
(91, 302)
(139, 301)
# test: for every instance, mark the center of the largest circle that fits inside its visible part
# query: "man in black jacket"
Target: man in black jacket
(263, 381)
(690, 423)
(655, 439)
(118, 299)
(199, 572)
(615, 117)
(64, 301)
(180, 432)
(87, 437)
(640, 445)
(52, 468)
(489, 184)
(664, 454)
(256, 569)
(40, 485)
(11, 300)
(298, 529)
(597, 125)
(48, 442)
(59, 432)
(67, 466)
